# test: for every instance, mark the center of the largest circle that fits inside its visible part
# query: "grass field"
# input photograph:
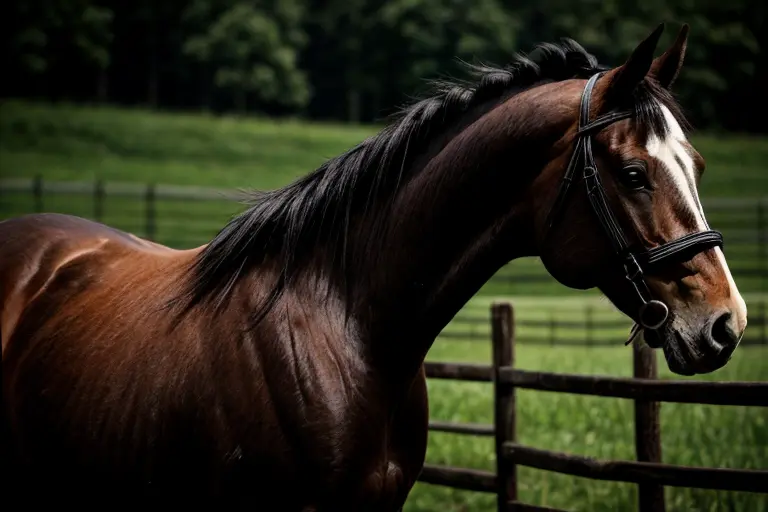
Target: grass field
(85, 144)
(75, 143)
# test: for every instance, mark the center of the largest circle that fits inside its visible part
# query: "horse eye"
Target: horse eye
(634, 177)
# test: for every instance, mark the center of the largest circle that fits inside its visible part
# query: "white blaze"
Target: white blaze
(672, 153)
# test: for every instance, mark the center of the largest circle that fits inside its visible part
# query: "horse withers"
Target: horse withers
(280, 366)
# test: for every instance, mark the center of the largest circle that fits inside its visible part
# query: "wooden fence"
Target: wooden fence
(589, 330)
(648, 471)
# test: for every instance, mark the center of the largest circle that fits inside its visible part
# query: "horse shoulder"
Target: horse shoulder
(32, 250)
(50, 258)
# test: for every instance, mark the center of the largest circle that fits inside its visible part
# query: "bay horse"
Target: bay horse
(280, 366)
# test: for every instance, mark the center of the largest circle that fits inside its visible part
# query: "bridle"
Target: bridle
(652, 313)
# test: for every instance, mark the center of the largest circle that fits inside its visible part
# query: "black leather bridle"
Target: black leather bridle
(652, 313)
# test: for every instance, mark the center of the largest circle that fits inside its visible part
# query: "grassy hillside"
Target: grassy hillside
(75, 143)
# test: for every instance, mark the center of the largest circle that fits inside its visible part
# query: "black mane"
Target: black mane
(289, 222)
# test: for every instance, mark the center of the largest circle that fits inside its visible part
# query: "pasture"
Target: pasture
(66, 143)
(113, 144)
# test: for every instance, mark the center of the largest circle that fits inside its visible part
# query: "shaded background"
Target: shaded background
(142, 114)
(356, 59)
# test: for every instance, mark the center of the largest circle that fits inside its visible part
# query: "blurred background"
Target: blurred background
(146, 115)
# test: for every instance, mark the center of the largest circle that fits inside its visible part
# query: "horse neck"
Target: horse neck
(458, 220)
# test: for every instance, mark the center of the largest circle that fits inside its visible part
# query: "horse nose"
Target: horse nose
(723, 333)
(715, 344)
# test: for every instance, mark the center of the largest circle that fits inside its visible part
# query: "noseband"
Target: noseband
(652, 313)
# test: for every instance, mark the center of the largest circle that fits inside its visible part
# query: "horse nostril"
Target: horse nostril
(723, 334)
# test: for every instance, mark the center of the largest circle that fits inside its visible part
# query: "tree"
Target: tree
(252, 50)
(723, 52)
(51, 35)
(377, 52)
(366, 57)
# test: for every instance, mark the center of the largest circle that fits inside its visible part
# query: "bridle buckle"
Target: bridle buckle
(632, 268)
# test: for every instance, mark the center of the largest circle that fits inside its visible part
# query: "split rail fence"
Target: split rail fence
(648, 471)
(586, 328)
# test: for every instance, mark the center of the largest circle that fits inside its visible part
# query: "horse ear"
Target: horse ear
(626, 77)
(666, 67)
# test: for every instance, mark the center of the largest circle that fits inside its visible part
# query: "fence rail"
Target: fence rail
(38, 187)
(191, 192)
(568, 324)
(596, 332)
(748, 480)
(648, 471)
(459, 478)
(690, 392)
(459, 371)
(476, 429)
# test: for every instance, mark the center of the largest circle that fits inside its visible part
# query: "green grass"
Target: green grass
(75, 143)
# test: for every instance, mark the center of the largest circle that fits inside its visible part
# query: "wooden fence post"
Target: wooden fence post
(552, 328)
(647, 429)
(762, 240)
(98, 200)
(150, 213)
(37, 193)
(503, 335)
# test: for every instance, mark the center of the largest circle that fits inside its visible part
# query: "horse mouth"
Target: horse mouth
(683, 359)
(679, 358)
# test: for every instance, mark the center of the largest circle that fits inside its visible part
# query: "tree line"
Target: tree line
(358, 60)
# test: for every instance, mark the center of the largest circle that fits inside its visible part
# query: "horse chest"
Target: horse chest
(401, 446)
(365, 458)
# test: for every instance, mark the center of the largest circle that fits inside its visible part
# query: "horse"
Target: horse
(280, 365)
